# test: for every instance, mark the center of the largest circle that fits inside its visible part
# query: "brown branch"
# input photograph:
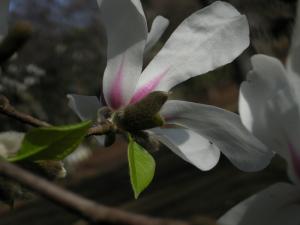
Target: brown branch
(7, 109)
(101, 128)
(89, 210)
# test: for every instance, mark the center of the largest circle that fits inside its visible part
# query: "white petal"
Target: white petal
(276, 205)
(85, 107)
(208, 39)
(267, 77)
(190, 146)
(224, 129)
(158, 27)
(270, 110)
(4, 9)
(284, 129)
(126, 29)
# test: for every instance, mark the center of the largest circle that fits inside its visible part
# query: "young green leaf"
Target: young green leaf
(51, 143)
(141, 167)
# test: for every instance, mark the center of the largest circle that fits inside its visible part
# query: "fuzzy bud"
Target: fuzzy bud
(143, 114)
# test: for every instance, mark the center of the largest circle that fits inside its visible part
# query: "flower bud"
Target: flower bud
(143, 114)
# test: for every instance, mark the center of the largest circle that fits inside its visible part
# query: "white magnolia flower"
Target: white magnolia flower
(269, 105)
(269, 108)
(4, 7)
(209, 38)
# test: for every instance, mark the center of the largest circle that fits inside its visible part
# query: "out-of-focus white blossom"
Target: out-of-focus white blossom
(10, 143)
(270, 109)
(35, 70)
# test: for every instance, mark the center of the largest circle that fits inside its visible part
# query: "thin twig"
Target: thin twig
(89, 210)
(101, 128)
(7, 109)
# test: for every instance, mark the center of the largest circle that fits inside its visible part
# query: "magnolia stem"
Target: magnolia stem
(101, 129)
(91, 211)
(7, 109)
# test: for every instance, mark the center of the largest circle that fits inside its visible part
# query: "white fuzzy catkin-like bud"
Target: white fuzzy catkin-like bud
(10, 143)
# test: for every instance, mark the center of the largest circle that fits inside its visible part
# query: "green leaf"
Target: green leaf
(141, 167)
(51, 143)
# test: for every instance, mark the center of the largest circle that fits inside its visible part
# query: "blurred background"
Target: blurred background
(66, 54)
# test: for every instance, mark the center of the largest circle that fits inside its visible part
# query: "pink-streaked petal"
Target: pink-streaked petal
(143, 91)
(158, 27)
(115, 96)
(276, 205)
(4, 11)
(190, 146)
(208, 39)
(222, 128)
(126, 31)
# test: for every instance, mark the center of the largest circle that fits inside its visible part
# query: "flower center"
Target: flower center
(142, 115)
